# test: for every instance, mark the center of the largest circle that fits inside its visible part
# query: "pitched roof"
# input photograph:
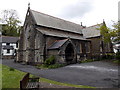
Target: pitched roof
(53, 22)
(57, 44)
(9, 39)
(53, 33)
(91, 31)
(8, 47)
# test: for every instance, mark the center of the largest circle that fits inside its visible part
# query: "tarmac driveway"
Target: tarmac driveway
(96, 74)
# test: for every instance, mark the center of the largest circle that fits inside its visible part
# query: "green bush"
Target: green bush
(118, 55)
(50, 60)
(41, 66)
(55, 66)
(96, 58)
(110, 56)
(44, 66)
(85, 61)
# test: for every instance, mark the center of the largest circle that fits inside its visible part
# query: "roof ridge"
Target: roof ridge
(57, 18)
(59, 40)
(93, 25)
(56, 42)
(62, 40)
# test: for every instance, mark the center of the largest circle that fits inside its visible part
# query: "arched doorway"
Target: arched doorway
(69, 53)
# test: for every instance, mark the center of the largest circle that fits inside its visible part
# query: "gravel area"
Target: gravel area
(96, 74)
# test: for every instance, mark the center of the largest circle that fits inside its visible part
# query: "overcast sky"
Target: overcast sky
(90, 12)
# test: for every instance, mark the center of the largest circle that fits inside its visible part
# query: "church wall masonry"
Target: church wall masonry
(43, 35)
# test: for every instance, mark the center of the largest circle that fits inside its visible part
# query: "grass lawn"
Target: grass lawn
(63, 84)
(11, 79)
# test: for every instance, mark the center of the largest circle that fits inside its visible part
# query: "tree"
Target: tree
(12, 23)
(110, 35)
(105, 33)
(116, 30)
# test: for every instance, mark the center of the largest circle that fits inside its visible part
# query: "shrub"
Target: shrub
(55, 66)
(43, 66)
(118, 55)
(85, 61)
(50, 60)
(96, 58)
(110, 56)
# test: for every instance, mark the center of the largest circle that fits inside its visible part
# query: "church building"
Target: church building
(43, 36)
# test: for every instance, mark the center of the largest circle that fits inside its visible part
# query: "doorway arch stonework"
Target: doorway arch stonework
(69, 53)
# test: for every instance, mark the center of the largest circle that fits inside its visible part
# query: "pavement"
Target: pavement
(99, 74)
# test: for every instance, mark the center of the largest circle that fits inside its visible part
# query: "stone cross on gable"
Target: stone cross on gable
(29, 5)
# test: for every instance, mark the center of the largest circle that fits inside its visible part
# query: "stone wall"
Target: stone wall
(95, 43)
(39, 47)
(26, 43)
(8, 57)
(99, 48)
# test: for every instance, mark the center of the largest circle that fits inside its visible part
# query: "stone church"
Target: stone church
(44, 35)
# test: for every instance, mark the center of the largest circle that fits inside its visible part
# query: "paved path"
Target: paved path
(96, 74)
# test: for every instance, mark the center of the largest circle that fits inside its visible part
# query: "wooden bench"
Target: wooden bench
(29, 83)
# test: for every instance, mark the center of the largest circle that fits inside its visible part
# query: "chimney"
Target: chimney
(81, 24)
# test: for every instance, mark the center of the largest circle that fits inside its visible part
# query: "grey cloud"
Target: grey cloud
(78, 9)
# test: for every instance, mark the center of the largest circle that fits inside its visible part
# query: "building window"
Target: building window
(8, 50)
(80, 48)
(87, 45)
(8, 44)
(16, 45)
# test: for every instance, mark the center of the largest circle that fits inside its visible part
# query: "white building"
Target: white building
(116, 47)
(9, 46)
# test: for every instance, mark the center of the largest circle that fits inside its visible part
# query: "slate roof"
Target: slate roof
(8, 47)
(57, 44)
(53, 33)
(53, 22)
(91, 31)
(8, 39)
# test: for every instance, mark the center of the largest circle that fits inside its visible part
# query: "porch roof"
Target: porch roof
(57, 44)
